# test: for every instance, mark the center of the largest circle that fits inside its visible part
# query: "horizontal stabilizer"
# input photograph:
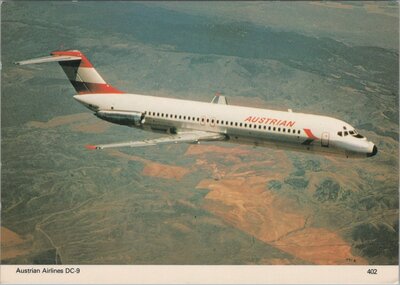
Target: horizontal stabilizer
(48, 59)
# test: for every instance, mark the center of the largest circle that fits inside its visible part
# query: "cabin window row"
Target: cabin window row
(223, 122)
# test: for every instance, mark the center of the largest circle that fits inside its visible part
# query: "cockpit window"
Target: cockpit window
(353, 133)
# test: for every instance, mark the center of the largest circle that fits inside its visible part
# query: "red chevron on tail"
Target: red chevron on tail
(80, 72)
(82, 75)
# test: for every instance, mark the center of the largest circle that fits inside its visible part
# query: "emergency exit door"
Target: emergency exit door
(325, 139)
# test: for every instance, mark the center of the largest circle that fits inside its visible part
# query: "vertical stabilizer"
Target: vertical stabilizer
(82, 75)
(80, 72)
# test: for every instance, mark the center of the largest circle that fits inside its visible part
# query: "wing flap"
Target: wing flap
(182, 137)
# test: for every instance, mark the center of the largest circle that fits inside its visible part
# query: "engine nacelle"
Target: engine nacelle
(122, 118)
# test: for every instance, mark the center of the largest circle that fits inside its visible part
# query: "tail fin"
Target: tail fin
(81, 73)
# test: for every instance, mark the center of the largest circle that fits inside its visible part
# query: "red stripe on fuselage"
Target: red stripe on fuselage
(310, 134)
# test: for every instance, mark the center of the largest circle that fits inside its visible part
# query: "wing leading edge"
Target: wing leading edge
(181, 137)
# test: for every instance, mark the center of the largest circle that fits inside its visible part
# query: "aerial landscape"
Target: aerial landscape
(211, 203)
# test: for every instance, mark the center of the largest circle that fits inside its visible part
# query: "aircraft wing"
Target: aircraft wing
(181, 137)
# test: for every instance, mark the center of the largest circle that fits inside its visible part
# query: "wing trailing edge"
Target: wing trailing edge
(182, 137)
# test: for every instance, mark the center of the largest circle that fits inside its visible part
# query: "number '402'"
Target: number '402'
(372, 271)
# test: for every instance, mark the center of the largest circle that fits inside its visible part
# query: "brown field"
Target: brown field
(242, 201)
(276, 261)
(319, 246)
(202, 149)
(164, 171)
(12, 244)
(260, 213)
(154, 169)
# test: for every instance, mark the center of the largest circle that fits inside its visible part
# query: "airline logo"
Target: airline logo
(83, 75)
(270, 121)
(310, 137)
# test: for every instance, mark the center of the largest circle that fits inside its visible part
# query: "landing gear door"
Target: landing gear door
(325, 139)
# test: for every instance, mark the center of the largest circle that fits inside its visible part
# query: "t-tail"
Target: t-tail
(80, 72)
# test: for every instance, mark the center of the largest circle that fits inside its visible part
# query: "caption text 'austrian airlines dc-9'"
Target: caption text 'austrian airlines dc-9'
(191, 121)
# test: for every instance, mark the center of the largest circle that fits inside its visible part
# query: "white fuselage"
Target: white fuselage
(263, 127)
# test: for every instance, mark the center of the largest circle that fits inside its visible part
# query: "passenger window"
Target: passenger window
(340, 134)
(188, 118)
(283, 129)
(274, 129)
(158, 114)
(279, 129)
(222, 122)
(217, 122)
(346, 133)
(180, 117)
(184, 117)
(269, 128)
(249, 125)
(245, 125)
(198, 119)
(294, 131)
(240, 124)
(208, 120)
(212, 121)
(265, 127)
(231, 123)
(235, 124)
(259, 126)
(255, 126)
(298, 132)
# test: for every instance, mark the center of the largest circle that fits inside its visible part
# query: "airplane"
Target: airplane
(187, 121)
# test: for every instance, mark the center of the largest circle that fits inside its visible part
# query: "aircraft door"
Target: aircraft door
(325, 139)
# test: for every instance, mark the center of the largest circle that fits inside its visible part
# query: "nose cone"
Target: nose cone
(374, 151)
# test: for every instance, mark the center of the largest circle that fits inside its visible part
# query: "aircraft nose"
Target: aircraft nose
(374, 151)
